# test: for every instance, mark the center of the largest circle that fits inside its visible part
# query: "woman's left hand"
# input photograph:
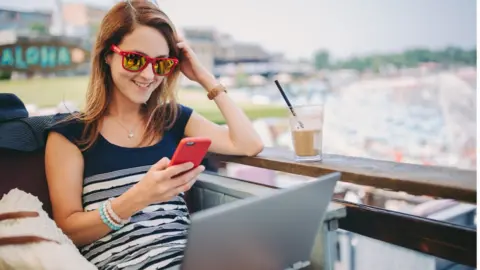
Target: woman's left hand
(191, 67)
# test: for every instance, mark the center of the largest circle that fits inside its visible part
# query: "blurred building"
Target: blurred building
(24, 21)
(219, 52)
(203, 43)
(216, 48)
(229, 51)
(224, 56)
(82, 20)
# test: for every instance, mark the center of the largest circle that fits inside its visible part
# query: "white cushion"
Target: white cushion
(41, 255)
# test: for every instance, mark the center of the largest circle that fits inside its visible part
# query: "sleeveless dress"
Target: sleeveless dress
(156, 236)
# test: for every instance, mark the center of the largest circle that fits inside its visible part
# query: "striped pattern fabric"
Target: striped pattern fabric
(154, 238)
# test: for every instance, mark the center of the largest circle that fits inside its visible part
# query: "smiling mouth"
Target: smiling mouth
(143, 85)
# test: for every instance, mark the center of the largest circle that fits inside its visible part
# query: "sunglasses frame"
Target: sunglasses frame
(149, 60)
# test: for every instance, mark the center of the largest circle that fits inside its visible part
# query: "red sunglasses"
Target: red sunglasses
(136, 62)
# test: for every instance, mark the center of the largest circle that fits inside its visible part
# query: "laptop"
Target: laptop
(276, 231)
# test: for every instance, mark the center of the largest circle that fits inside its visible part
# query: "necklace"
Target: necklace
(129, 131)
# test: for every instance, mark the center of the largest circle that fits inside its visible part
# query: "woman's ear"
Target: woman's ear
(108, 59)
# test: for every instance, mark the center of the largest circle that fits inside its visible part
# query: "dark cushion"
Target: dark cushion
(26, 134)
(11, 107)
(25, 171)
(22, 155)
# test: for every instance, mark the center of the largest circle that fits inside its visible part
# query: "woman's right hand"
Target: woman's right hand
(162, 183)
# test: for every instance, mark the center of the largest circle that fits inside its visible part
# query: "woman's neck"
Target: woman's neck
(123, 109)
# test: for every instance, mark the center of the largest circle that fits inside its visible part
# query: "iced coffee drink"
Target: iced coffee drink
(307, 133)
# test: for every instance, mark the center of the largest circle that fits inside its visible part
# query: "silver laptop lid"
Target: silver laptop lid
(275, 231)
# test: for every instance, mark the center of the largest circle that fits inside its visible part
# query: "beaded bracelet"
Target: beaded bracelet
(114, 215)
(106, 218)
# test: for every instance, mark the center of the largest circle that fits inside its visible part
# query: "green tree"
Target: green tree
(5, 75)
(411, 58)
(39, 28)
(322, 59)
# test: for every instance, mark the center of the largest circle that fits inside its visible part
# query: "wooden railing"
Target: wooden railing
(441, 239)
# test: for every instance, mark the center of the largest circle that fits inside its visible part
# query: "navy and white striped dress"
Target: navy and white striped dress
(156, 236)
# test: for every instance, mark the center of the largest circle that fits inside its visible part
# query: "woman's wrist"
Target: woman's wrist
(127, 204)
(208, 82)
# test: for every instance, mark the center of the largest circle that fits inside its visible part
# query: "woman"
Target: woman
(110, 188)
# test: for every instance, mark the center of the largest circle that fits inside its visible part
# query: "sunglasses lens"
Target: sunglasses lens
(134, 62)
(164, 66)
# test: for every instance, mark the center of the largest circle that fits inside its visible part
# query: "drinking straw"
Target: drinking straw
(288, 103)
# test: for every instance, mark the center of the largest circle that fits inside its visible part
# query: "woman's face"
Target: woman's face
(138, 86)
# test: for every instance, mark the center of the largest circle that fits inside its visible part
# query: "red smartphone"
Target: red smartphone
(191, 149)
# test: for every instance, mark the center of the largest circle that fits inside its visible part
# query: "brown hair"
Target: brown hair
(161, 109)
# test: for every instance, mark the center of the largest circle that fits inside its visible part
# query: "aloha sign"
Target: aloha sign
(32, 56)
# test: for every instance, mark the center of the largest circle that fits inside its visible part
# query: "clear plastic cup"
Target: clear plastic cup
(307, 132)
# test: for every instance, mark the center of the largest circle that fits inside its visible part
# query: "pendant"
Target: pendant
(130, 135)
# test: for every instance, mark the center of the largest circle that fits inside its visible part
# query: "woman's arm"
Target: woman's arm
(64, 170)
(240, 138)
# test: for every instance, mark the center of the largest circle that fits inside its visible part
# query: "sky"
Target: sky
(344, 27)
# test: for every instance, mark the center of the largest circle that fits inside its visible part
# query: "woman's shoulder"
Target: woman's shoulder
(69, 125)
(181, 109)
(184, 111)
(182, 116)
